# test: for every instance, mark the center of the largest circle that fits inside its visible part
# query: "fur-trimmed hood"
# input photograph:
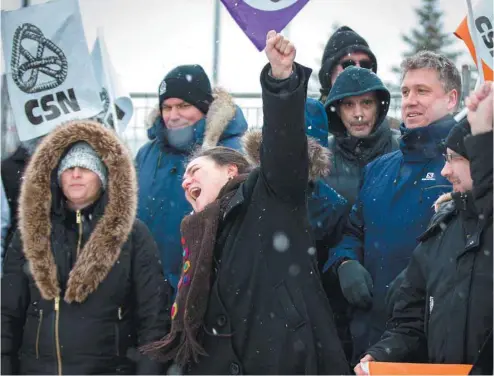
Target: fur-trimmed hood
(444, 198)
(102, 249)
(319, 156)
(224, 118)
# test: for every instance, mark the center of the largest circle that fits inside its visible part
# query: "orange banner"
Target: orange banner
(463, 33)
(382, 368)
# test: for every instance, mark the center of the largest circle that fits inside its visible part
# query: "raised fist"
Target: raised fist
(479, 105)
(281, 55)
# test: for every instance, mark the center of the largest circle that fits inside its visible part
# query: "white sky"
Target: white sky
(147, 38)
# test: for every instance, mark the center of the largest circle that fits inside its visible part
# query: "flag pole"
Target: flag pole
(475, 40)
(216, 42)
(106, 72)
(480, 69)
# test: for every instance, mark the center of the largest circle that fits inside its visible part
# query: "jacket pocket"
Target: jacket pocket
(38, 332)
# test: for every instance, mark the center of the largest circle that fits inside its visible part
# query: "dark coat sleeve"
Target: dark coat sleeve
(151, 296)
(284, 156)
(351, 246)
(479, 150)
(405, 339)
(15, 301)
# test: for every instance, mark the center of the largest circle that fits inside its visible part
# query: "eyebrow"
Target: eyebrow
(187, 170)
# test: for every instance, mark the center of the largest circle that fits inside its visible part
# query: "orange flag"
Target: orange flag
(483, 27)
(382, 368)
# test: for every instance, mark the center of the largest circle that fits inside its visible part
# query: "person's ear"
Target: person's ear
(232, 171)
(452, 99)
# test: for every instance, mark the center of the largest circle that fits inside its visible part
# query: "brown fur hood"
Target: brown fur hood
(102, 249)
(319, 156)
(221, 111)
(446, 197)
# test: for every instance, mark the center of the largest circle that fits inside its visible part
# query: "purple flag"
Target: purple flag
(257, 17)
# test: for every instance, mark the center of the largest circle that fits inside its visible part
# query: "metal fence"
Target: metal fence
(136, 133)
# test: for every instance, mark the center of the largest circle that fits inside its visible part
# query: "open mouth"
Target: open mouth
(195, 193)
(413, 114)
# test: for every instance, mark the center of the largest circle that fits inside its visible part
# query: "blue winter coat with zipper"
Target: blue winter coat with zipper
(394, 207)
(161, 165)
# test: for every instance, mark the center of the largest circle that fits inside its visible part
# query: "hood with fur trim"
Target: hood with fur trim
(220, 115)
(319, 156)
(102, 249)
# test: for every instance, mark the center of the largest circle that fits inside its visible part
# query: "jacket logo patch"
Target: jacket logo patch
(431, 304)
(429, 177)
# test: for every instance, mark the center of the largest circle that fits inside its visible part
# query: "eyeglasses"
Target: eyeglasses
(448, 157)
(365, 63)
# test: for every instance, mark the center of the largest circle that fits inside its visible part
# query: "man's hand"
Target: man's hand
(281, 55)
(358, 368)
(356, 284)
(479, 105)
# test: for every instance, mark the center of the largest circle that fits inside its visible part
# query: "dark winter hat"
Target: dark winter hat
(342, 42)
(351, 82)
(189, 83)
(81, 154)
(456, 138)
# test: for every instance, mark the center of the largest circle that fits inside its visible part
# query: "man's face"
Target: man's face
(457, 171)
(359, 114)
(360, 59)
(177, 113)
(424, 99)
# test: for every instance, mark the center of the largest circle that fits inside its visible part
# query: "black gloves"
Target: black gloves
(356, 284)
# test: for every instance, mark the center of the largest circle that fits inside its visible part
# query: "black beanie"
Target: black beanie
(342, 42)
(189, 83)
(456, 138)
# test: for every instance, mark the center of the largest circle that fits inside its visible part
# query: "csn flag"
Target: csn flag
(257, 17)
(49, 71)
(115, 99)
(483, 27)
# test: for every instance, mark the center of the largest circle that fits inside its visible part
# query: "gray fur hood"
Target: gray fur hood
(224, 119)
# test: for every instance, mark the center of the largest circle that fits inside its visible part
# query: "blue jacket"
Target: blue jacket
(327, 208)
(394, 207)
(160, 167)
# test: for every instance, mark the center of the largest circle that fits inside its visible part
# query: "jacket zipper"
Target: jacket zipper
(79, 222)
(38, 332)
(117, 331)
(57, 335)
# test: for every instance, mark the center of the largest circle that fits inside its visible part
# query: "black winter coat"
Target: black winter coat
(66, 311)
(267, 312)
(12, 172)
(443, 310)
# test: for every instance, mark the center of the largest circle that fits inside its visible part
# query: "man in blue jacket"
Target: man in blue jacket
(190, 115)
(395, 203)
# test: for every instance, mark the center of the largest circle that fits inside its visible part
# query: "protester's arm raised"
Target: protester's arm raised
(284, 159)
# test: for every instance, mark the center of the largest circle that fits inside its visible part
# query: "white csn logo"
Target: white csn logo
(270, 5)
(429, 177)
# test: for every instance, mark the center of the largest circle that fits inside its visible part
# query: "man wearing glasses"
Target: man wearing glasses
(443, 313)
(345, 48)
(395, 202)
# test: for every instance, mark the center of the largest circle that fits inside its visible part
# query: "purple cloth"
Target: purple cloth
(257, 17)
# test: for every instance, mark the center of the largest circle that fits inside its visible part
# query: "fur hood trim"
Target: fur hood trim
(319, 156)
(221, 112)
(441, 200)
(102, 249)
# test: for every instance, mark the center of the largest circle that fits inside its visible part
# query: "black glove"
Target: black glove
(356, 284)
